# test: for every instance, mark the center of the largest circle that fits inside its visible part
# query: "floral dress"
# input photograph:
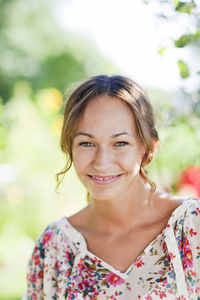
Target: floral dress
(61, 267)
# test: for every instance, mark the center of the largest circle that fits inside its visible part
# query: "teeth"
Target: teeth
(102, 179)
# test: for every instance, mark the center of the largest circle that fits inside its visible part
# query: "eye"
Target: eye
(121, 144)
(86, 144)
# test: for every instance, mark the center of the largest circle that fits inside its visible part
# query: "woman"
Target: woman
(131, 241)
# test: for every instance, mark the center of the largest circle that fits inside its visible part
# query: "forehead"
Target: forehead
(107, 113)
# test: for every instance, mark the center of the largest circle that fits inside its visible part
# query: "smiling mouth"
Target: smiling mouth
(104, 179)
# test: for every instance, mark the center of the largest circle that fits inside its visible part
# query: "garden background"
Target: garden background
(39, 60)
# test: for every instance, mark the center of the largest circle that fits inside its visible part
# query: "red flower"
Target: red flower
(34, 296)
(172, 256)
(191, 176)
(32, 277)
(185, 241)
(191, 232)
(47, 237)
(41, 274)
(162, 294)
(139, 262)
(187, 259)
(164, 246)
(57, 265)
(37, 259)
(83, 284)
(113, 279)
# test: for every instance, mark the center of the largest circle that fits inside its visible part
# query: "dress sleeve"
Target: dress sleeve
(192, 258)
(43, 259)
(52, 261)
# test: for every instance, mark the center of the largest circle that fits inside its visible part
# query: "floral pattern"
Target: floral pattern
(61, 267)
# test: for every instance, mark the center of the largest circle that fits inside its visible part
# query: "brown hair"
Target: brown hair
(115, 86)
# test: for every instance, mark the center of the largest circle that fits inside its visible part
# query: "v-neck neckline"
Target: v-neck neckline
(142, 253)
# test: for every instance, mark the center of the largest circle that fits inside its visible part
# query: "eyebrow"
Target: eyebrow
(92, 136)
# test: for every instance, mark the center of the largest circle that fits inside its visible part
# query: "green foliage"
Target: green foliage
(186, 39)
(183, 69)
(35, 48)
(162, 50)
(183, 41)
(184, 6)
(175, 10)
(175, 153)
(59, 71)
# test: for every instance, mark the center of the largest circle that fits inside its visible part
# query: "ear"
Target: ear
(151, 154)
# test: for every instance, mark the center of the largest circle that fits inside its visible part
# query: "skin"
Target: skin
(120, 206)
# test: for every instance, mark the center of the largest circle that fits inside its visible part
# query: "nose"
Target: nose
(102, 160)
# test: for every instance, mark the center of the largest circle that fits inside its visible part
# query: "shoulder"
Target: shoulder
(193, 207)
(170, 207)
(52, 246)
(165, 204)
(56, 234)
(188, 213)
(51, 231)
(186, 205)
(186, 223)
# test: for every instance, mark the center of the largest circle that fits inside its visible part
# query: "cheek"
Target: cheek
(81, 159)
(129, 159)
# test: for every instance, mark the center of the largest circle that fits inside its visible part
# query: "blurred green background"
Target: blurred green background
(39, 60)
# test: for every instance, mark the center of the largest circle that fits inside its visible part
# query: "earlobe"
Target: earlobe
(155, 145)
(151, 154)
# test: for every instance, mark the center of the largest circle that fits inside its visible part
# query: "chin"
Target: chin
(104, 195)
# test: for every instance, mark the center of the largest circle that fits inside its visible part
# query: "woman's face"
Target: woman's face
(106, 150)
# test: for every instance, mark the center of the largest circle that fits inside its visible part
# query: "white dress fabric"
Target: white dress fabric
(61, 267)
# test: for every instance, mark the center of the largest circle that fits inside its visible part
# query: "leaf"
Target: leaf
(162, 50)
(163, 279)
(183, 41)
(150, 278)
(91, 266)
(161, 259)
(196, 35)
(183, 69)
(184, 7)
(103, 270)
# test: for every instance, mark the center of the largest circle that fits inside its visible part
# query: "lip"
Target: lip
(102, 180)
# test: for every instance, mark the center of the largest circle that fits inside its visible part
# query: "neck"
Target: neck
(122, 213)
